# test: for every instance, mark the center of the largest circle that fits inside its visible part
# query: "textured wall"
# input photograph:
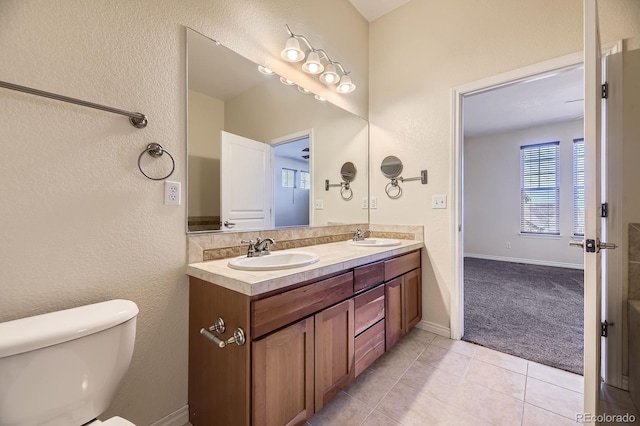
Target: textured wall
(422, 50)
(492, 195)
(79, 223)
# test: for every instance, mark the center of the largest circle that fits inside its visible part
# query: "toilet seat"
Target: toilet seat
(113, 421)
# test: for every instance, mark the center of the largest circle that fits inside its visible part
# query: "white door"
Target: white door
(245, 183)
(593, 200)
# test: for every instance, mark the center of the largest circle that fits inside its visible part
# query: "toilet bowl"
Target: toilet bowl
(64, 368)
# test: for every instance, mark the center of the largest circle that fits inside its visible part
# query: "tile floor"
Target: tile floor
(431, 380)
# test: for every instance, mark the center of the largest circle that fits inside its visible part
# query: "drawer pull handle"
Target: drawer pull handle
(238, 338)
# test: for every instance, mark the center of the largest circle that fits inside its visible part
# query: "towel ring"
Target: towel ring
(346, 189)
(156, 150)
(394, 195)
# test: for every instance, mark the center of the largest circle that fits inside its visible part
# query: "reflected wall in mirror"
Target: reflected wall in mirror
(259, 151)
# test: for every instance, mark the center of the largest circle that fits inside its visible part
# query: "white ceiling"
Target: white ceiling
(534, 102)
(373, 9)
(293, 149)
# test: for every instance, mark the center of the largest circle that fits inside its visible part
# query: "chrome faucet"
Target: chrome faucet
(265, 244)
(260, 247)
(358, 234)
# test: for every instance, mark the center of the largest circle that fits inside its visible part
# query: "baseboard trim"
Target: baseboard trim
(180, 417)
(527, 261)
(434, 328)
(625, 382)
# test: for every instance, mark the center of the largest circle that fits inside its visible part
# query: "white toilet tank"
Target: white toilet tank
(63, 368)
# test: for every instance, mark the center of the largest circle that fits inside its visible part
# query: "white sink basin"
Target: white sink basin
(274, 261)
(375, 242)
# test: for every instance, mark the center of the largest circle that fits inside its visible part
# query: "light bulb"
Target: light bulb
(313, 64)
(292, 51)
(345, 85)
(265, 70)
(329, 76)
(286, 81)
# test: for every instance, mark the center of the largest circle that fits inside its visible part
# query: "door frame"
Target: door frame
(457, 232)
(307, 133)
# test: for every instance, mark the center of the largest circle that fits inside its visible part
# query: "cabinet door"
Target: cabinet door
(334, 351)
(412, 293)
(283, 376)
(394, 323)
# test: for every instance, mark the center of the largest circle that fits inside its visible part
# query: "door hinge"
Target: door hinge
(604, 210)
(604, 328)
(605, 90)
(590, 246)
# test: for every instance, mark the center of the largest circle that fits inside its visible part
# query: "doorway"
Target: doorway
(613, 346)
(292, 180)
(523, 169)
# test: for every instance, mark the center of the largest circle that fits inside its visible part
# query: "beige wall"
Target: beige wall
(205, 122)
(492, 196)
(418, 53)
(80, 224)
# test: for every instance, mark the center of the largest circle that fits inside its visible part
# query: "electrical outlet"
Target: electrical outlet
(319, 205)
(365, 203)
(507, 244)
(438, 201)
(373, 202)
(172, 193)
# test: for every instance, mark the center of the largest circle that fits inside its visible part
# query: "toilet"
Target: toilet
(64, 368)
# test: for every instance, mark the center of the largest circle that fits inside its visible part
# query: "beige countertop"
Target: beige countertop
(334, 257)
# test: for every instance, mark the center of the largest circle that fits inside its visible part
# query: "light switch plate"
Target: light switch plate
(365, 203)
(319, 205)
(373, 202)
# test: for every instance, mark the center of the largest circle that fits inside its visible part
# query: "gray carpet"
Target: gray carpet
(533, 312)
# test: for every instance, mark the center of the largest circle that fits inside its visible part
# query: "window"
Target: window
(539, 189)
(288, 178)
(578, 187)
(305, 180)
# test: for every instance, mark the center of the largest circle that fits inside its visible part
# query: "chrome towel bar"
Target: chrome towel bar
(136, 119)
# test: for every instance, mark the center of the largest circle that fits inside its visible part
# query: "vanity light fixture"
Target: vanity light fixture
(313, 64)
(286, 81)
(265, 70)
(319, 98)
(292, 51)
(303, 90)
(331, 73)
(345, 85)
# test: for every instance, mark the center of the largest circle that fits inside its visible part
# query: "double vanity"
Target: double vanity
(295, 336)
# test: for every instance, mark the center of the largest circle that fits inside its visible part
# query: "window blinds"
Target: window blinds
(539, 189)
(578, 187)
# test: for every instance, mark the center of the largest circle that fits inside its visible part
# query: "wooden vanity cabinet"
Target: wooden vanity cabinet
(334, 362)
(283, 372)
(304, 344)
(403, 296)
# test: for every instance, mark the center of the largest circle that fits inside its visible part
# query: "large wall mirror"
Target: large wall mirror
(259, 151)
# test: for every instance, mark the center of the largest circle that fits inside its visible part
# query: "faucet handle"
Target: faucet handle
(250, 242)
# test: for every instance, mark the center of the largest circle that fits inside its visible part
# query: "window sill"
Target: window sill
(541, 236)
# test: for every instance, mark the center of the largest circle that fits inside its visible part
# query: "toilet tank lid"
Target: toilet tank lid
(31, 333)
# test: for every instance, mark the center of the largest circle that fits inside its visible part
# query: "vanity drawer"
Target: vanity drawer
(369, 308)
(368, 276)
(369, 347)
(284, 308)
(401, 264)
